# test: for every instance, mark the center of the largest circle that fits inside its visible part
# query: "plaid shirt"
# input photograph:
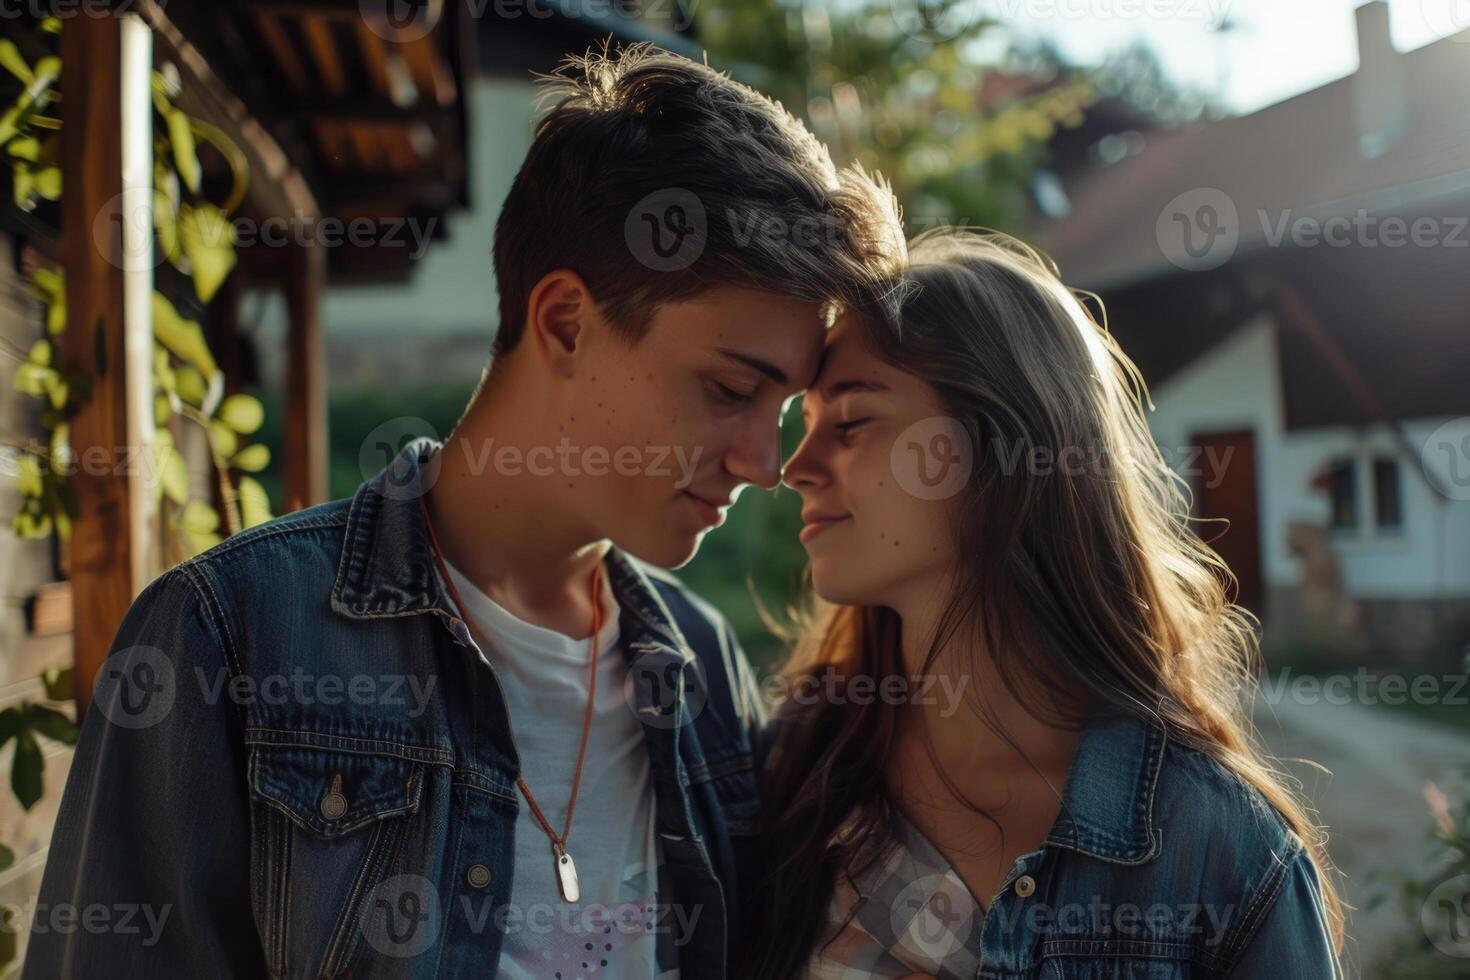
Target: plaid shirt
(910, 913)
(1229, 891)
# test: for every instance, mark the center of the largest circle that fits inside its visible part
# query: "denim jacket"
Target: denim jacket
(1161, 865)
(297, 763)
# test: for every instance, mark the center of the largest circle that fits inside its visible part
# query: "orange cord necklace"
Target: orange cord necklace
(566, 869)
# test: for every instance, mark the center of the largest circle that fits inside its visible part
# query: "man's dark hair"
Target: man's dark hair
(654, 178)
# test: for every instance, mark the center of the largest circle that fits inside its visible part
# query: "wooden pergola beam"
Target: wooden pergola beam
(304, 438)
(370, 111)
(277, 186)
(103, 543)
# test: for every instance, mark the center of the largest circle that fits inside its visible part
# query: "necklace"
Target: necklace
(566, 869)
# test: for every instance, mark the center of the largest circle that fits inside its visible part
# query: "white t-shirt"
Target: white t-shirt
(612, 842)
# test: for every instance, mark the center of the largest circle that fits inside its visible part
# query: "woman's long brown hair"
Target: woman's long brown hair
(1087, 585)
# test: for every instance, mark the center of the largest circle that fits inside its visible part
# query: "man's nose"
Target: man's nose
(756, 456)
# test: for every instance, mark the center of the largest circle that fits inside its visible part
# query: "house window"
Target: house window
(1342, 490)
(1387, 506)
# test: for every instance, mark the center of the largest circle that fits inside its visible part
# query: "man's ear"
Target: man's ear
(559, 312)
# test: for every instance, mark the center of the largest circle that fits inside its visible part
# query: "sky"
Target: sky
(1277, 49)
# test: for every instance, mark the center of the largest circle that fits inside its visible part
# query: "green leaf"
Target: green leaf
(197, 527)
(208, 238)
(53, 724)
(198, 517)
(255, 506)
(25, 148)
(24, 187)
(166, 223)
(56, 316)
(182, 337)
(164, 375)
(31, 526)
(40, 352)
(60, 446)
(159, 87)
(33, 379)
(28, 475)
(26, 772)
(59, 684)
(14, 62)
(57, 388)
(10, 724)
(252, 459)
(49, 283)
(243, 413)
(189, 383)
(174, 476)
(198, 544)
(48, 183)
(225, 442)
(186, 158)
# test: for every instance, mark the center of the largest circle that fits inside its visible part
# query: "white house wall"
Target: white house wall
(1236, 386)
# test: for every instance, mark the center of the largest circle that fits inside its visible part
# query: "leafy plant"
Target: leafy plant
(196, 237)
(1414, 953)
(887, 91)
(24, 722)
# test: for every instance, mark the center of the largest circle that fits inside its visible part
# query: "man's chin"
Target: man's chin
(665, 552)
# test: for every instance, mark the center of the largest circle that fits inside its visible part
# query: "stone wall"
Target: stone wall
(25, 566)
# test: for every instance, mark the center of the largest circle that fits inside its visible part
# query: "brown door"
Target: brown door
(1224, 480)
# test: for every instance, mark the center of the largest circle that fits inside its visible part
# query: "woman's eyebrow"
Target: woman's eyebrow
(834, 389)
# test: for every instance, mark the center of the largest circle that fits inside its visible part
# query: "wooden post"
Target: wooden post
(110, 550)
(304, 436)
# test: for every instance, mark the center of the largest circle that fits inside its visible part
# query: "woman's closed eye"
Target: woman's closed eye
(846, 429)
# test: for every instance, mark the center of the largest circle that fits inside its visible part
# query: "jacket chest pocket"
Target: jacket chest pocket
(328, 829)
(1118, 960)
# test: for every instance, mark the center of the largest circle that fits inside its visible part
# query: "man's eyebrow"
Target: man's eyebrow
(763, 366)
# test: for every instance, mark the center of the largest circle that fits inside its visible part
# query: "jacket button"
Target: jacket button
(478, 876)
(1025, 886)
(334, 804)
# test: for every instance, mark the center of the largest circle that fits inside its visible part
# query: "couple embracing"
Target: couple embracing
(595, 783)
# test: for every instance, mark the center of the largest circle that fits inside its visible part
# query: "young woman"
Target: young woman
(1017, 743)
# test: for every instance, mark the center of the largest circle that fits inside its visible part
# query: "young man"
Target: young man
(460, 724)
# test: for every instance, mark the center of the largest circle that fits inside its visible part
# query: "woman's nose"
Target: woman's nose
(804, 468)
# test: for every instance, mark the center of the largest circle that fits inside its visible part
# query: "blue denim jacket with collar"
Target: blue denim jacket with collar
(297, 764)
(1160, 865)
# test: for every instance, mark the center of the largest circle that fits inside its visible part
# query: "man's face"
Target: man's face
(689, 415)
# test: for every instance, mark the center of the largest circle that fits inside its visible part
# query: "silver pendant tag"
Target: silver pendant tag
(566, 875)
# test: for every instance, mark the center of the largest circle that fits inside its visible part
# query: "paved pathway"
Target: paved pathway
(1372, 802)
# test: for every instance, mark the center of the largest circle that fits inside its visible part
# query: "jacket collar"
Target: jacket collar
(388, 570)
(1108, 801)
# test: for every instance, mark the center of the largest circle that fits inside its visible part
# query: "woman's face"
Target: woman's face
(877, 471)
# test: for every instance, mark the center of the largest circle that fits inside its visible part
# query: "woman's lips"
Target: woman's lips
(817, 525)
